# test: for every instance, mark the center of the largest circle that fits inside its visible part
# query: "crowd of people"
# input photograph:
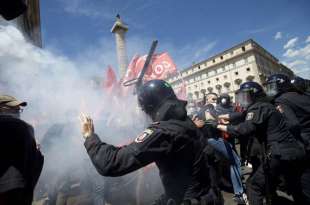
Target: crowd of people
(272, 129)
(193, 148)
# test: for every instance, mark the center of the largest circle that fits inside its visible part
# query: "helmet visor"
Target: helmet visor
(244, 99)
(272, 89)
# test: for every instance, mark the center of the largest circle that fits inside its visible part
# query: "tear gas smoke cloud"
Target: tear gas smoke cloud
(57, 89)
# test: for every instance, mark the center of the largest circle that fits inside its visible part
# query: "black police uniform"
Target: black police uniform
(175, 145)
(281, 148)
(296, 109)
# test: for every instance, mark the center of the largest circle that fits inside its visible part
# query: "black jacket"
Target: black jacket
(175, 145)
(20, 161)
(296, 109)
(269, 127)
(208, 130)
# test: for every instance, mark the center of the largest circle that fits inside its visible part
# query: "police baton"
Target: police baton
(138, 81)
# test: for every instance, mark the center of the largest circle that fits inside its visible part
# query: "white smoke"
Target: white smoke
(57, 89)
(55, 86)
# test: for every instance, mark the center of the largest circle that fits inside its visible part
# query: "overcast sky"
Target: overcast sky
(190, 31)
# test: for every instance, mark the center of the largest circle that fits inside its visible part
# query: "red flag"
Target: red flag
(110, 80)
(160, 67)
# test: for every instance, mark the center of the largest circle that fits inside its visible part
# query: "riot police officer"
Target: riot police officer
(300, 85)
(291, 101)
(172, 142)
(280, 149)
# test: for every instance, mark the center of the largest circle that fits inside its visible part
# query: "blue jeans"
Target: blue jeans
(225, 148)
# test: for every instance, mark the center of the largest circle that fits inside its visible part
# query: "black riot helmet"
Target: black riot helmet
(277, 84)
(248, 93)
(11, 9)
(224, 100)
(299, 84)
(153, 94)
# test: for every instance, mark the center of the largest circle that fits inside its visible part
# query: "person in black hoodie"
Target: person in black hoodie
(20, 160)
(172, 141)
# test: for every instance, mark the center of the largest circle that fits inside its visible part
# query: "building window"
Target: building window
(243, 48)
(199, 67)
(226, 84)
(190, 96)
(217, 79)
(219, 88)
(196, 94)
(236, 73)
(240, 62)
(250, 78)
(211, 73)
(209, 81)
(238, 81)
(203, 91)
(221, 57)
(210, 89)
(213, 60)
(225, 76)
(248, 69)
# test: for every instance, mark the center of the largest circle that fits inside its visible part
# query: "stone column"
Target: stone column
(120, 29)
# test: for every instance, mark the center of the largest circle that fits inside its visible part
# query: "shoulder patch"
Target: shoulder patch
(250, 116)
(144, 135)
(280, 109)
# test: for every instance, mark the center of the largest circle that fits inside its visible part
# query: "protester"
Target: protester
(172, 142)
(204, 120)
(21, 161)
(224, 106)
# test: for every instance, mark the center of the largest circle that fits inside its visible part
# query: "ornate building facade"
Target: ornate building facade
(224, 72)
